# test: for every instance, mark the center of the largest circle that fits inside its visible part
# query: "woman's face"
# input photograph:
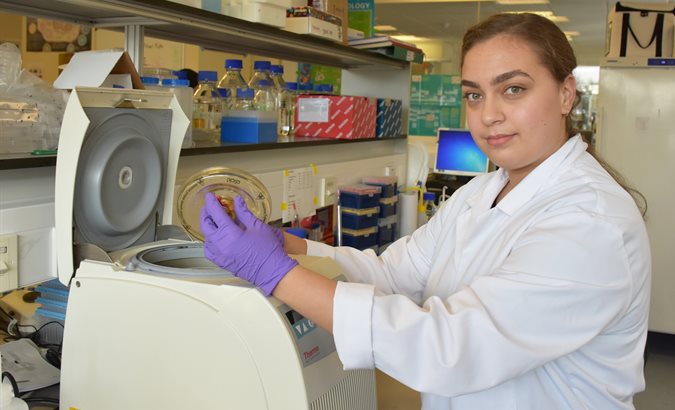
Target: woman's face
(515, 108)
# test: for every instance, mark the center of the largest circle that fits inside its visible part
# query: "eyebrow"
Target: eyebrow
(499, 79)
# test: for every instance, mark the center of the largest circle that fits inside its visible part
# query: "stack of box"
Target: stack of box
(388, 203)
(314, 22)
(333, 116)
(53, 298)
(270, 12)
(389, 116)
(359, 214)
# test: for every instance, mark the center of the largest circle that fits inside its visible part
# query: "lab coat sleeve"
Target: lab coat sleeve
(401, 269)
(566, 279)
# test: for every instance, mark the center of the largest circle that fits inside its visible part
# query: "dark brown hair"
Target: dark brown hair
(554, 52)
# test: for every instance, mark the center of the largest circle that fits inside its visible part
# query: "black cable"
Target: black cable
(12, 380)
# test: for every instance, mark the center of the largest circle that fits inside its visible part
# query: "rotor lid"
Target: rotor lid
(226, 184)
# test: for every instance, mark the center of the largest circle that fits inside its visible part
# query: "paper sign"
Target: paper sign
(299, 193)
(313, 109)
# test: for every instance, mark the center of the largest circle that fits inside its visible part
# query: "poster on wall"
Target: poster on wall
(435, 102)
(48, 35)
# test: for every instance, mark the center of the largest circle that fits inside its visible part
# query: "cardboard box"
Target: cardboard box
(105, 68)
(389, 118)
(308, 20)
(340, 8)
(332, 116)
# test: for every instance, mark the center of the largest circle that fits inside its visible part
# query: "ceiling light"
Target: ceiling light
(411, 39)
(385, 27)
(571, 34)
(546, 14)
(521, 2)
(428, 1)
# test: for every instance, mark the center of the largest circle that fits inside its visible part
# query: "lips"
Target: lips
(499, 139)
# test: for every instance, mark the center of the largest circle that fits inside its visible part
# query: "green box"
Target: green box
(362, 16)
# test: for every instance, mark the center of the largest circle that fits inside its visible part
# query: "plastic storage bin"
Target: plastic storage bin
(386, 232)
(387, 185)
(359, 218)
(359, 196)
(248, 126)
(388, 206)
(360, 239)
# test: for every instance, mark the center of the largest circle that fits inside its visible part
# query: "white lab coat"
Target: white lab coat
(538, 303)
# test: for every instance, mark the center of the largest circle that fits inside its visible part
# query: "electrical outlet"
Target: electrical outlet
(389, 171)
(9, 262)
(327, 191)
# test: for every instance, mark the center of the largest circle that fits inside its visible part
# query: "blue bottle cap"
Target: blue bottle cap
(429, 196)
(262, 65)
(292, 85)
(207, 76)
(265, 83)
(172, 82)
(233, 63)
(150, 80)
(277, 69)
(223, 92)
(244, 93)
(181, 75)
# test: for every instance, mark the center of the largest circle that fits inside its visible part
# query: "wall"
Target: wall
(27, 209)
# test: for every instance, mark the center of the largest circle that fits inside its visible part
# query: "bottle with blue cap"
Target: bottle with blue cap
(183, 92)
(231, 81)
(283, 100)
(151, 83)
(244, 101)
(293, 99)
(430, 207)
(263, 87)
(207, 108)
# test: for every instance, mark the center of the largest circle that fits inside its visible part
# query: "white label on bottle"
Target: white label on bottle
(313, 109)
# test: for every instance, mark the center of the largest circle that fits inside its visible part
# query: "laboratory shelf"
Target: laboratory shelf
(173, 21)
(19, 161)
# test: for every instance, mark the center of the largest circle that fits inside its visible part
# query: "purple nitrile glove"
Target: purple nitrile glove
(252, 250)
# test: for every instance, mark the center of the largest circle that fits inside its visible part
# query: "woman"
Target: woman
(529, 289)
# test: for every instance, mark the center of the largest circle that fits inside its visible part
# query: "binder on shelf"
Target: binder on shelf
(401, 53)
(381, 41)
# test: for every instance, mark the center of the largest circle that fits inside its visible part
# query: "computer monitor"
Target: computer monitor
(458, 154)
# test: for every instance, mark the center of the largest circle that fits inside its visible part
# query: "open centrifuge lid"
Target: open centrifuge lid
(115, 170)
(227, 183)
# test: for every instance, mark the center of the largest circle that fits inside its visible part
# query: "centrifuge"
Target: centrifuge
(151, 323)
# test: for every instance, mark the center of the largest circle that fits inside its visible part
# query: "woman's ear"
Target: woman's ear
(568, 94)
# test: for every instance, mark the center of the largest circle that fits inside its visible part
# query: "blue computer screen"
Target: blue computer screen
(458, 154)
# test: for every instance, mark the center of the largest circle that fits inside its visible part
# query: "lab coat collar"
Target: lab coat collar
(530, 185)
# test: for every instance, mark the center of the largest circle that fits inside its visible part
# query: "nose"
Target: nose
(492, 111)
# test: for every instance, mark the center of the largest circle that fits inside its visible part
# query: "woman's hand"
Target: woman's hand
(251, 250)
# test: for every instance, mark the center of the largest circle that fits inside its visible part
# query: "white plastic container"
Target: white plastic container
(184, 94)
(270, 12)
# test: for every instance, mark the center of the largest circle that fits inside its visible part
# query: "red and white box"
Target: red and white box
(334, 116)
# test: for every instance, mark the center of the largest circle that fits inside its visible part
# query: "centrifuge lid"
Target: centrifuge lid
(226, 183)
(121, 173)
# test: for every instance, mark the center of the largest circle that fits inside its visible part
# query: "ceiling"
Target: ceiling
(447, 21)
